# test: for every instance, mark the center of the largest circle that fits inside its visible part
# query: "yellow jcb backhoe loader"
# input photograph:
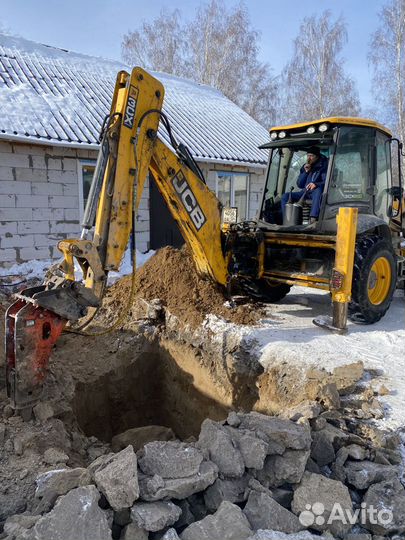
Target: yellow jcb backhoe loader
(263, 258)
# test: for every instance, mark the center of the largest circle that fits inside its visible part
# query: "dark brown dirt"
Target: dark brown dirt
(170, 275)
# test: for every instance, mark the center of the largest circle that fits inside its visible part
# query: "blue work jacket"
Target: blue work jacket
(316, 175)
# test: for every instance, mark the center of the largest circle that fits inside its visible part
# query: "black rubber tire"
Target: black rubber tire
(273, 292)
(368, 249)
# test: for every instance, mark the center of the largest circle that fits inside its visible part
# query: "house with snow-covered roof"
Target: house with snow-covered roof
(52, 105)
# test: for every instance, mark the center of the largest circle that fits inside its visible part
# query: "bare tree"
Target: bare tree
(218, 47)
(157, 45)
(387, 56)
(316, 83)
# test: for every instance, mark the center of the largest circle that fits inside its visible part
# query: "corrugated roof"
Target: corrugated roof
(52, 96)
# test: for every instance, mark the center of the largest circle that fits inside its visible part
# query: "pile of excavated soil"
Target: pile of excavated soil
(170, 275)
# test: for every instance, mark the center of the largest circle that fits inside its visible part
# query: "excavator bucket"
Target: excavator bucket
(31, 332)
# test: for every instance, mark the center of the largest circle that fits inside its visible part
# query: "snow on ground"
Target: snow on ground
(126, 265)
(289, 335)
(28, 270)
(36, 269)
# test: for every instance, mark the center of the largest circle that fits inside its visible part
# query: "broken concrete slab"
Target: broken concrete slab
(43, 411)
(219, 447)
(324, 493)
(187, 517)
(116, 476)
(53, 456)
(76, 516)
(263, 512)
(228, 523)
(306, 409)
(133, 532)
(322, 449)
(60, 481)
(253, 449)
(18, 524)
(288, 468)
(385, 503)
(171, 534)
(225, 489)
(139, 436)
(170, 459)
(155, 516)
(361, 474)
(277, 432)
(155, 488)
(277, 535)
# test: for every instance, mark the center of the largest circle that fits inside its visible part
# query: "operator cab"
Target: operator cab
(358, 155)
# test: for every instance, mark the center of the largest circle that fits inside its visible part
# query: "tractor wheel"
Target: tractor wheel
(374, 279)
(273, 292)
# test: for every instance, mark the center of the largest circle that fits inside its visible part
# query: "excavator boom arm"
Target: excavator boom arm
(130, 148)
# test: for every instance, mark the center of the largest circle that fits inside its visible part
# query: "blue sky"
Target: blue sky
(96, 27)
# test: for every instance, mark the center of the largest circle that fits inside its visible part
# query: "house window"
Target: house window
(232, 189)
(86, 171)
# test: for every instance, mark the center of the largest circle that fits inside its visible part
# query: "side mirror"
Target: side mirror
(396, 192)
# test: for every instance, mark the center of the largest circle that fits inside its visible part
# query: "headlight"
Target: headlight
(311, 130)
(273, 135)
(281, 135)
(323, 127)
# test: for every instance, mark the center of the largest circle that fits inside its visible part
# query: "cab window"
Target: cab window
(352, 165)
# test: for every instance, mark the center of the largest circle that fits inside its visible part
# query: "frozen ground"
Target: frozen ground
(289, 335)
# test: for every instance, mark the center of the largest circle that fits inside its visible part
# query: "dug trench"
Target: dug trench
(167, 366)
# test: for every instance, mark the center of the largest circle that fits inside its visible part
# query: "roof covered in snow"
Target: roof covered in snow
(54, 96)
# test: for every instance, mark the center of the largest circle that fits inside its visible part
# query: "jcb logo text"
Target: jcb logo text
(189, 201)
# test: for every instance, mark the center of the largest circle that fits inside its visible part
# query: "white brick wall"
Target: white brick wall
(39, 199)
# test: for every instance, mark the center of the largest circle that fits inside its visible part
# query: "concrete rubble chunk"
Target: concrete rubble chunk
(215, 440)
(61, 481)
(336, 436)
(347, 376)
(76, 516)
(116, 476)
(138, 437)
(307, 409)
(277, 535)
(155, 516)
(170, 459)
(43, 411)
(53, 456)
(187, 517)
(233, 419)
(282, 433)
(288, 468)
(225, 489)
(155, 488)
(133, 532)
(197, 506)
(359, 536)
(322, 449)
(253, 449)
(18, 524)
(171, 534)
(387, 499)
(324, 493)
(263, 512)
(361, 474)
(228, 523)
